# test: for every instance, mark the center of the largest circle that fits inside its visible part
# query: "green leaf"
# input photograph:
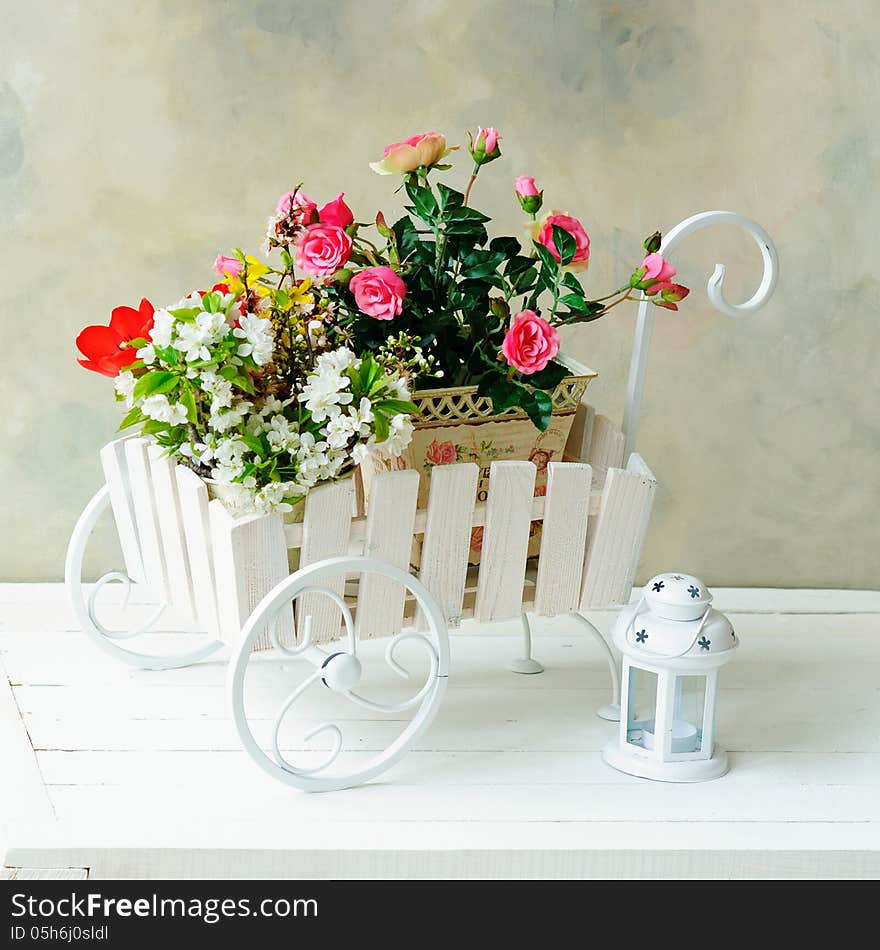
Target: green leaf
(479, 263)
(396, 406)
(253, 443)
(380, 424)
(187, 314)
(153, 383)
(524, 281)
(571, 281)
(244, 382)
(508, 246)
(565, 244)
(424, 201)
(211, 303)
(228, 372)
(132, 418)
(547, 259)
(449, 198)
(549, 377)
(154, 427)
(578, 305)
(188, 401)
(471, 215)
(538, 406)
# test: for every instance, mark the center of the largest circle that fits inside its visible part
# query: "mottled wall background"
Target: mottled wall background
(139, 138)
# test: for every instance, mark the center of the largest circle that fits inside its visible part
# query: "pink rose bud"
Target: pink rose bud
(530, 199)
(530, 343)
(484, 146)
(575, 229)
(336, 212)
(231, 266)
(401, 158)
(651, 271)
(378, 292)
(321, 249)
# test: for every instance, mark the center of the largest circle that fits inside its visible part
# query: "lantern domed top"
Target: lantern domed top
(677, 596)
(675, 621)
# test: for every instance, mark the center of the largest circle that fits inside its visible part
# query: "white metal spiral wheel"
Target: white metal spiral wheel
(86, 608)
(336, 666)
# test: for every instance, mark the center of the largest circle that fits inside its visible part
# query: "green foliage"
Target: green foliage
(461, 292)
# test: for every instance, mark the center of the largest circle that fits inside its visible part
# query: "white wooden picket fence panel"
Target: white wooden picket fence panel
(207, 563)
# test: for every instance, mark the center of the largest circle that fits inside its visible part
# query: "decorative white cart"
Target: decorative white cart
(230, 577)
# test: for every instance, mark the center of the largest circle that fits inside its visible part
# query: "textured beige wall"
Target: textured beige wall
(139, 138)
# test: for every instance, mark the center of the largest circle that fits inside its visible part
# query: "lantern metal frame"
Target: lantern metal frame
(659, 762)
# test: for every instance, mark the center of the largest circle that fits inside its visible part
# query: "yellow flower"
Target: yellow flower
(299, 295)
(255, 270)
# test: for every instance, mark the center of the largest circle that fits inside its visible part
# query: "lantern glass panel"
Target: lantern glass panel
(641, 706)
(688, 714)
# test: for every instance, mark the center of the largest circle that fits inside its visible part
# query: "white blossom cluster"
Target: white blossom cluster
(261, 452)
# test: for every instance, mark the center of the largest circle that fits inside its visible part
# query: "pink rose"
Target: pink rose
(530, 343)
(322, 249)
(402, 157)
(295, 203)
(656, 268)
(227, 265)
(525, 186)
(441, 453)
(378, 292)
(336, 212)
(574, 228)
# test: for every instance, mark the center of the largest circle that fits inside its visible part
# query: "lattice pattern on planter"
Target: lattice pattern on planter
(462, 404)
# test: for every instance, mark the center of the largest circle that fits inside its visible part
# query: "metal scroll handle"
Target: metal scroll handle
(714, 288)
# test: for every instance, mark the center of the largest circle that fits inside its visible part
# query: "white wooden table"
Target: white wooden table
(114, 773)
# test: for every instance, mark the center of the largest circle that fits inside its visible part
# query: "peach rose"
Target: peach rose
(322, 249)
(378, 292)
(441, 453)
(399, 158)
(530, 343)
(574, 228)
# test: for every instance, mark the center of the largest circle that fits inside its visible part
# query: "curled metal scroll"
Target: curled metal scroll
(715, 291)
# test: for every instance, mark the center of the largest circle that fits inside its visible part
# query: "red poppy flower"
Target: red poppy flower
(104, 347)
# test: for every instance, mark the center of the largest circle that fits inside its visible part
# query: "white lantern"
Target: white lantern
(673, 644)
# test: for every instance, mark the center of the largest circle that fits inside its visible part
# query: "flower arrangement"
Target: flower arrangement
(288, 372)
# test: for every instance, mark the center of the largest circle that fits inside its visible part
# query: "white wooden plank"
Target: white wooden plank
(144, 502)
(171, 530)
(577, 446)
(503, 784)
(445, 550)
(250, 558)
(44, 874)
(505, 541)
(606, 443)
(389, 537)
(615, 537)
(193, 496)
(326, 527)
(23, 799)
(564, 538)
(116, 477)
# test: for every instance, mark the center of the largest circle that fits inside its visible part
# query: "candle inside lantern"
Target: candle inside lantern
(685, 736)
